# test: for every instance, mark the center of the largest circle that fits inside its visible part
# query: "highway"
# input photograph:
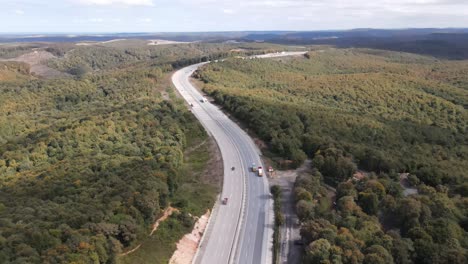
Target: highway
(240, 231)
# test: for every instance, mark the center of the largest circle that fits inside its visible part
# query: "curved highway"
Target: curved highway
(241, 230)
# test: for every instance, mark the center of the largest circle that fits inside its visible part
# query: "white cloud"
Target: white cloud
(96, 20)
(228, 11)
(117, 2)
(89, 20)
(214, 15)
(145, 20)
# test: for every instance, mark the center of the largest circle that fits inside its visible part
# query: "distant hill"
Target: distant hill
(450, 43)
(443, 43)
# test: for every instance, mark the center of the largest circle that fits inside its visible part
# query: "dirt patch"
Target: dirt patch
(130, 251)
(165, 96)
(188, 245)
(359, 175)
(238, 50)
(35, 57)
(155, 42)
(407, 188)
(291, 175)
(37, 60)
(168, 212)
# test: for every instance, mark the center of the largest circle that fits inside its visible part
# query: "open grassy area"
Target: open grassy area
(159, 247)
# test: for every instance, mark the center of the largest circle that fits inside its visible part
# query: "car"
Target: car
(225, 200)
(254, 167)
(203, 100)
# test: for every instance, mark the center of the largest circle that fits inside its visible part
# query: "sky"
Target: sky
(67, 16)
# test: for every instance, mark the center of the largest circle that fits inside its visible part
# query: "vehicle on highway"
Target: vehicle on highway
(203, 100)
(233, 168)
(254, 167)
(260, 171)
(191, 105)
(225, 200)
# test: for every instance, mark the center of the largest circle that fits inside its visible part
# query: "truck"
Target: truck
(260, 171)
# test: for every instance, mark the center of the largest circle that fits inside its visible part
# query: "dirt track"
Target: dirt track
(289, 251)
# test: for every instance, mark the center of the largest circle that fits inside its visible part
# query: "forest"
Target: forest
(394, 117)
(89, 160)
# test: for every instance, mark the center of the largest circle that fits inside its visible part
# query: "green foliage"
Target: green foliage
(279, 221)
(428, 223)
(87, 164)
(384, 112)
(79, 70)
(9, 51)
(159, 247)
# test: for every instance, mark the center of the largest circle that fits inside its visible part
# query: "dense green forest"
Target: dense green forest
(89, 161)
(379, 111)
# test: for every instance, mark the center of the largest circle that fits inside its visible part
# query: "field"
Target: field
(381, 112)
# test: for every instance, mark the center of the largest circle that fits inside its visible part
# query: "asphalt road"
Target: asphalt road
(241, 231)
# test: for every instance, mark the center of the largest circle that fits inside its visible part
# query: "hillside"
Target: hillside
(89, 159)
(384, 113)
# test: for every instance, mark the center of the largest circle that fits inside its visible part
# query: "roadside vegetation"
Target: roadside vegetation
(88, 162)
(193, 197)
(386, 113)
(279, 221)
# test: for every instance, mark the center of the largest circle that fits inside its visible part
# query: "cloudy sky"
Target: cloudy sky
(226, 15)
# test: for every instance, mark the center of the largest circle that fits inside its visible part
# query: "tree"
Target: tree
(408, 211)
(302, 194)
(311, 230)
(276, 191)
(347, 206)
(305, 210)
(318, 251)
(79, 70)
(346, 189)
(377, 254)
(369, 202)
(402, 250)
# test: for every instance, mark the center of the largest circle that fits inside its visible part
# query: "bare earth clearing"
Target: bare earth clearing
(167, 212)
(188, 245)
(154, 42)
(37, 60)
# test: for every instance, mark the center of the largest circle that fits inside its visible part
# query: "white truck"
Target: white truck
(260, 171)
